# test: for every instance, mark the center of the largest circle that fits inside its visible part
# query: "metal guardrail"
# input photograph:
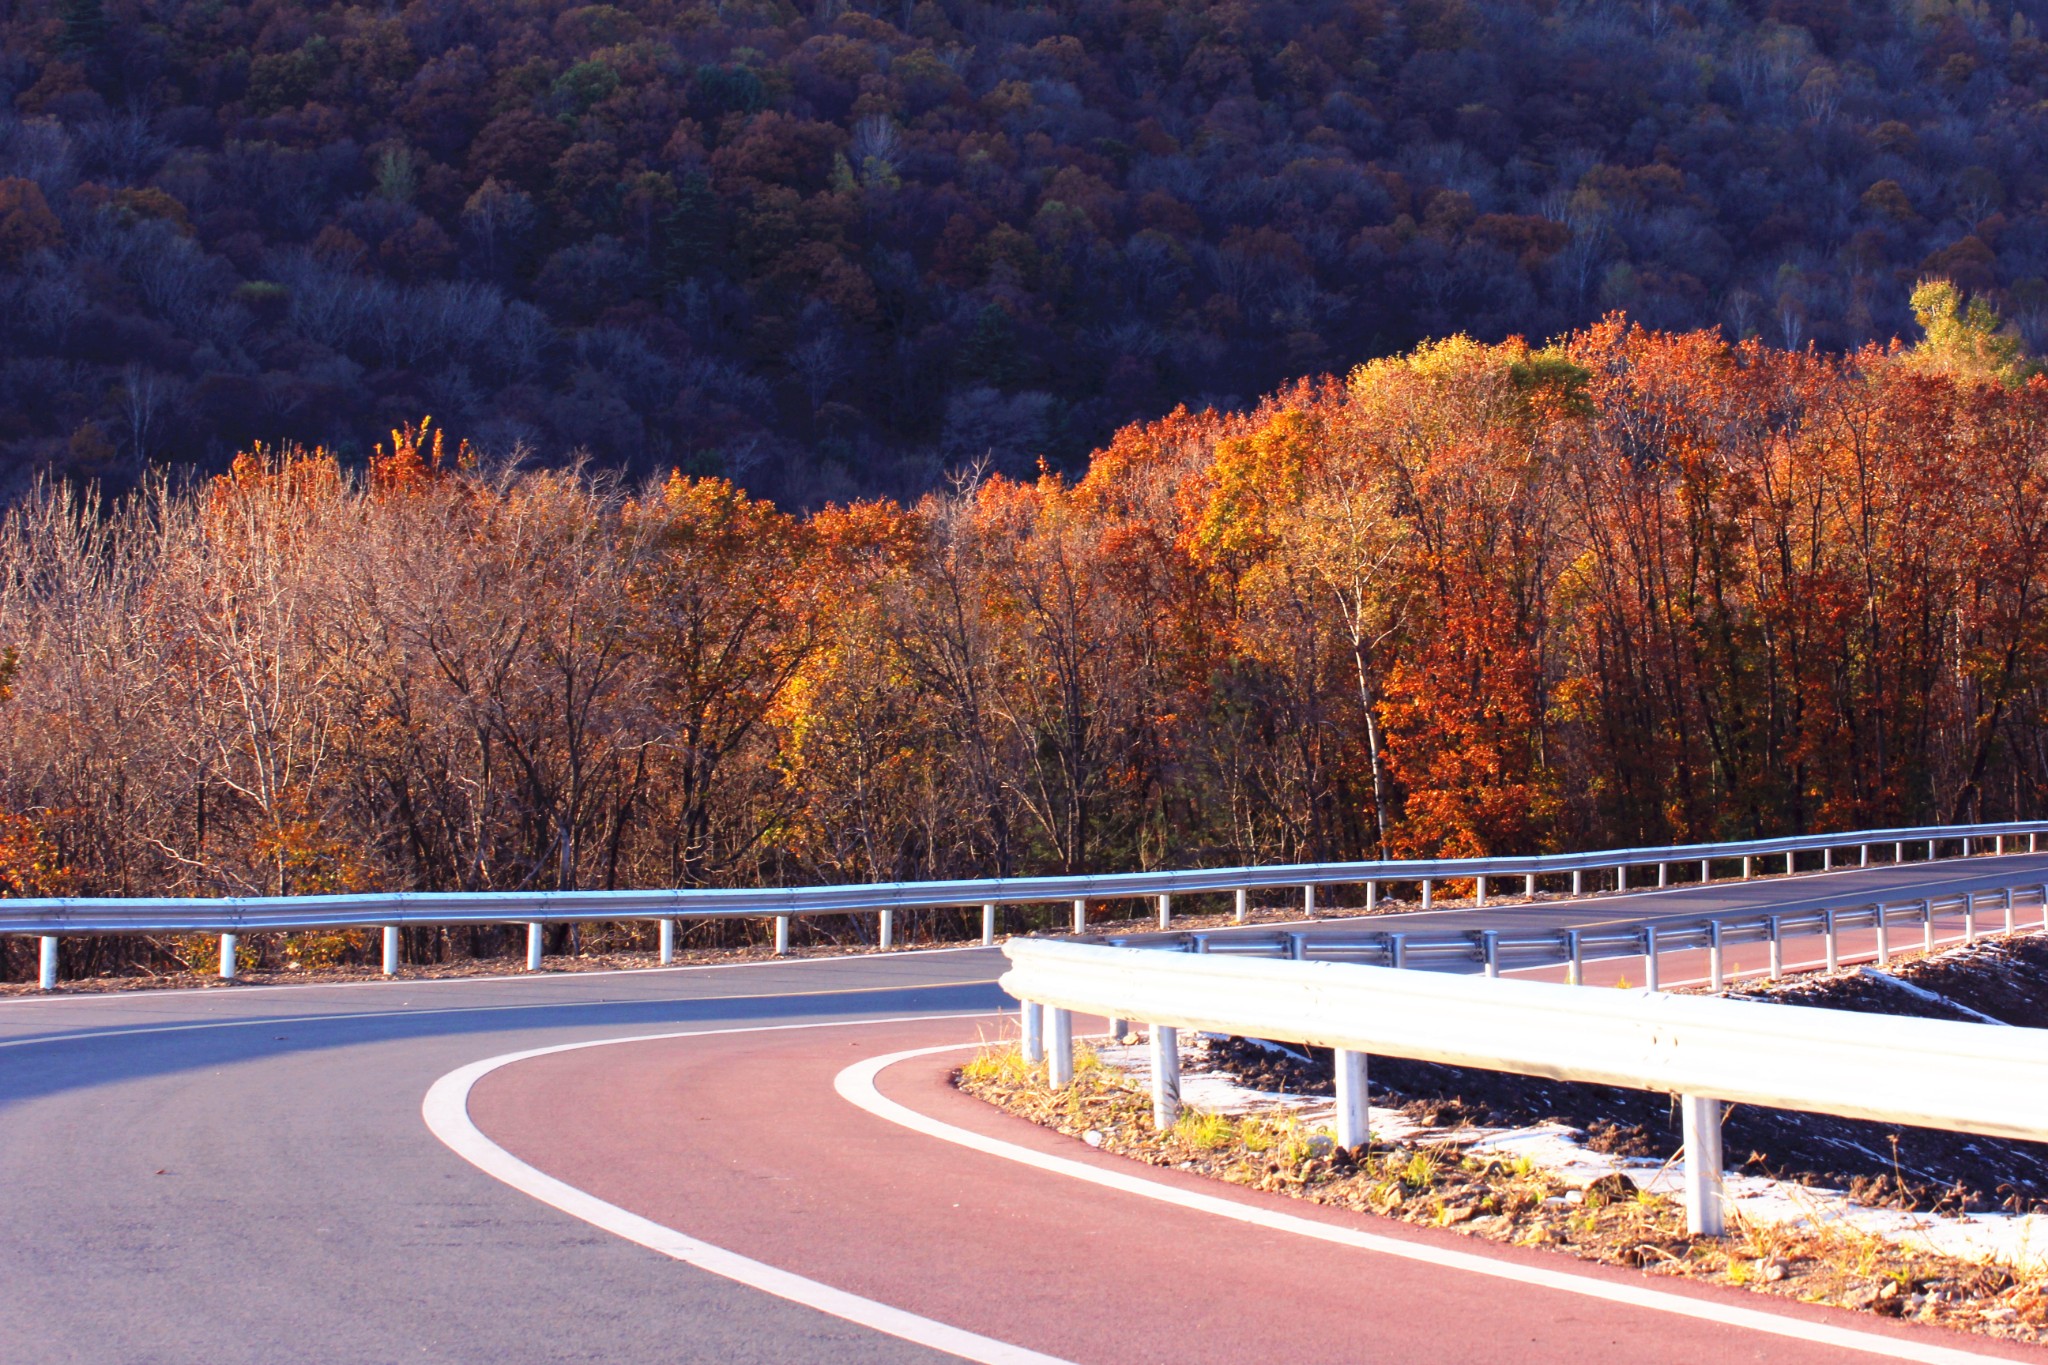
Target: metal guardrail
(1967, 1077)
(1497, 950)
(230, 916)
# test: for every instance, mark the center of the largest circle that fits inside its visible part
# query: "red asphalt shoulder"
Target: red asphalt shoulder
(740, 1140)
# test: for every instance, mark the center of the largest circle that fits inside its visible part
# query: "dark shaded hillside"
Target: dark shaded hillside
(831, 250)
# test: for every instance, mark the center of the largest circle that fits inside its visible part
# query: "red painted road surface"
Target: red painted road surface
(739, 1139)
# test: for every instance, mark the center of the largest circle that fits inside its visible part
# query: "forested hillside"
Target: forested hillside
(829, 249)
(1638, 587)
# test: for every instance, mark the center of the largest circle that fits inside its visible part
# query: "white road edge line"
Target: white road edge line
(856, 1085)
(240, 988)
(446, 1111)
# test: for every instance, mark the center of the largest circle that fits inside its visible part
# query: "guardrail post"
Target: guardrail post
(1926, 926)
(1529, 884)
(2001, 844)
(1397, 950)
(782, 935)
(1663, 875)
(533, 945)
(1428, 892)
(1650, 957)
(1165, 1077)
(1354, 1113)
(1308, 902)
(988, 924)
(1118, 1028)
(1701, 1125)
(1575, 959)
(888, 934)
(1827, 859)
(1706, 870)
(47, 965)
(1165, 911)
(1884, 942)
(1479, 885)
(1489, 949)
(391, 950)
(2008, 910)
(1059, 1046)
(1828, 928)
(1966, 845)
(1297, 947)
(1930, 850)
(1789, 864)
(1777, 948)
(1969, 917)
(668, 941)
(1899, 851)
(1244, 905)
(1863, 855)
(1621, 877)
(1578, 881)
(1714, 979)
(1372, 896)
(1080, 916)
(1031, 1031)
(1748, 867)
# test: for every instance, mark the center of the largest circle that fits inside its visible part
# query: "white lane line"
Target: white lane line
(269, 1020)
(446, 1110)
(485, 979)
(856, 1084)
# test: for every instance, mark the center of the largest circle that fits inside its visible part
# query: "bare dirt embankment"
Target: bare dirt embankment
(1424, 1166)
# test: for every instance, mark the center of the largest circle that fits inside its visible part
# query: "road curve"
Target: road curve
(243, 1174)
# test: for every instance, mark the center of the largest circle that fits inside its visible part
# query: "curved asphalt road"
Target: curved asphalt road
(243, 1174)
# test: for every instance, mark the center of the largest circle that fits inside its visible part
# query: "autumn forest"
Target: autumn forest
(1629, 588)
(830, 250)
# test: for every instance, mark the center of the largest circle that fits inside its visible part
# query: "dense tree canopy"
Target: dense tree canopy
(1631, 588)
(828, 251)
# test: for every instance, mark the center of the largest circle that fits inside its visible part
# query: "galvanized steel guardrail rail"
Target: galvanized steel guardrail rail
(50, 918)
(1708, 1050)
(1495, 950)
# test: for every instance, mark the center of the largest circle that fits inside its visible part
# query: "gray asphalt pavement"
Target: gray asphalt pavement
(242, 1174)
